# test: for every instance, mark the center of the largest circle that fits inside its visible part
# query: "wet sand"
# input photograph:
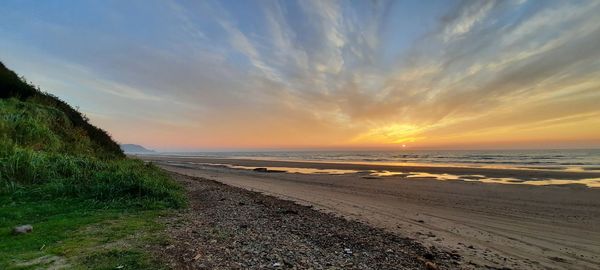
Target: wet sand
(524, 174)
(497, 225)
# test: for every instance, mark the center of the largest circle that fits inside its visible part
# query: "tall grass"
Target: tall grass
(14, 87)
(65, 176)
(49, 150)
(46, 176)
(45, 128)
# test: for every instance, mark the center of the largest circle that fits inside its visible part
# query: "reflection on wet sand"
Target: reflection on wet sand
(296, 170)
(387, 173)
(590, 182)
(274, 169)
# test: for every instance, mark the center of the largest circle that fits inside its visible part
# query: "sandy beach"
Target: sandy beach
(227, 227)
(493, 225)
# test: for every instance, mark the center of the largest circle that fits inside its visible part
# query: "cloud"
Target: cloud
(318, 73)
(467, 18)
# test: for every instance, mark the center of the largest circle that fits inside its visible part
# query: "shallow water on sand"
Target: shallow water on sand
(571, 160)
(589, 182)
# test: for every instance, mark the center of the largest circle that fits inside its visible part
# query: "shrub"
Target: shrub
(49, 150)
(50, 175)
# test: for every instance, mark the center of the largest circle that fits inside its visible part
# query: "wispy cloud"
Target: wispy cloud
(318, 73)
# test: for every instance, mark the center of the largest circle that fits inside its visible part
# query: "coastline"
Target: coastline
(526, 226)
(524, 174)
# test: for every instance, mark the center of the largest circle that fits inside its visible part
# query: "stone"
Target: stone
(23, 229)
(431, 266)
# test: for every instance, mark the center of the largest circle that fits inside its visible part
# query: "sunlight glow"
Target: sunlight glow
(319, 74)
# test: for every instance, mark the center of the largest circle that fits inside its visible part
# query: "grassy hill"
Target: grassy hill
(63, 175)
(50, 108)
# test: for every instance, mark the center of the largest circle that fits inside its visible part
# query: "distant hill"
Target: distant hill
(135, 148)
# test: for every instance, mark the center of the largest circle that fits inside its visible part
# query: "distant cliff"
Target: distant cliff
(135, 148)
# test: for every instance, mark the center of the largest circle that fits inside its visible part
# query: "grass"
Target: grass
(86, 213)
(14, 87)
(42, 175)
(45, 128)
(78, 234)
(89, 205)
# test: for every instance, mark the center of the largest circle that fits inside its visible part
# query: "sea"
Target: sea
(560, 159)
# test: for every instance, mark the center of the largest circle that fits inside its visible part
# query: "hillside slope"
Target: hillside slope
(14, 87)
(67, 178)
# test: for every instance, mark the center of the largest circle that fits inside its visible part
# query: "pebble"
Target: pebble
(279, 234)
(431, 266)
(23, 229)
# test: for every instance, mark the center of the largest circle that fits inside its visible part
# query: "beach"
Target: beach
(303, 134)
(517, 226)
(227, 227)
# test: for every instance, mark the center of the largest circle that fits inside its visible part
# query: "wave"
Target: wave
(583, 159)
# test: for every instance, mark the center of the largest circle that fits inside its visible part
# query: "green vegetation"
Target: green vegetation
(13, 86)
(90, 206)
(78, 233)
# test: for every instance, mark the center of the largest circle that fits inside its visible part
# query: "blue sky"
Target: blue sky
(268, 74)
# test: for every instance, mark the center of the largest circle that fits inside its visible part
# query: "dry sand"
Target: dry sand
(497, 225)
(227, 227)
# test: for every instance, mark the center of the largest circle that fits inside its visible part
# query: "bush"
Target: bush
(49, 175)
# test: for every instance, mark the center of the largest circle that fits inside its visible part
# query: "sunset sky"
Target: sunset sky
(228, 75)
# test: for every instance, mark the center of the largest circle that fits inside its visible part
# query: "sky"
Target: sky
(236, 75)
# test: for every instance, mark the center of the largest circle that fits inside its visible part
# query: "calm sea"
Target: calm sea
(579, 159)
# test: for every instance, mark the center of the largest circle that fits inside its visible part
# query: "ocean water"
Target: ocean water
(577, 159)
